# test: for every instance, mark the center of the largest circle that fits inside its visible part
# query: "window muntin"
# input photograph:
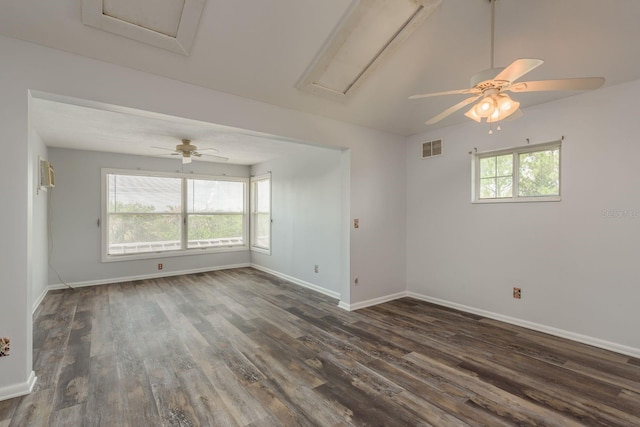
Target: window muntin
(530, 173)
(148, 214)
(261, 213)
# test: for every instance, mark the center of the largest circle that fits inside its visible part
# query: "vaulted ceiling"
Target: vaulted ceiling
(262, 49)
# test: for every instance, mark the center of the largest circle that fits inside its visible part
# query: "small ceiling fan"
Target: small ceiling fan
(489, 87)
(187, 150)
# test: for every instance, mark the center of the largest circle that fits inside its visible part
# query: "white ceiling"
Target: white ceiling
(261, 49)
(122, 130)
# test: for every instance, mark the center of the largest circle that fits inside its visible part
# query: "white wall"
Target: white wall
(306, 212)
(377, 186)
(39, 234)
(76, 207)
(578, 269)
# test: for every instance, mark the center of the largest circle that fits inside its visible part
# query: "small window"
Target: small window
(524, 174)
(261, 213)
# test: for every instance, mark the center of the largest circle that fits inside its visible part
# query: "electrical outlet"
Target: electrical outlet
(517, 293)
(315, 268)
(160, 266)
(4, 346)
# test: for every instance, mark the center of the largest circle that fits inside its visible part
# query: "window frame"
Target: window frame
(253, 212)
(515, 152)
(184, 250)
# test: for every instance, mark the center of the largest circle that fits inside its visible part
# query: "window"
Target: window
(153, 214)
(524, 174)
(261, 213)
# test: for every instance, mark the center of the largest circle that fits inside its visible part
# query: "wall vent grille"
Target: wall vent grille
(432, 148)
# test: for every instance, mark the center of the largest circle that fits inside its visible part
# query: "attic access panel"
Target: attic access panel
(167, 24)
(368, 33)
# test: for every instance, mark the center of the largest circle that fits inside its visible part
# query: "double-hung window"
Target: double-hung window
(152, 214)
(524, 174)
(261, 213)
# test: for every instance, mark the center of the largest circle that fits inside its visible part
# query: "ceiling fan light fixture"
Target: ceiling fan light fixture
(186, 158)
(486, 107)
(506, 107)
(472, 114)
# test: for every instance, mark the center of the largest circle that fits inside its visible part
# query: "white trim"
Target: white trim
(92, 15)
(253, 206)
(371, 302)
(327, 292)
(596, 342)
(146, 276)
(20, 389)
(38, 301)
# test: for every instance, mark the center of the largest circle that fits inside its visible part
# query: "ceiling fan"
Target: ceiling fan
(187, 150)
(488, 87)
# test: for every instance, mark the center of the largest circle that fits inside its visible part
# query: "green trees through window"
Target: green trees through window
(522, 174)
(167, 213)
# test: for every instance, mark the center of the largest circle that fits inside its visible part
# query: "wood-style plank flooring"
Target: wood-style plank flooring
(243, 348)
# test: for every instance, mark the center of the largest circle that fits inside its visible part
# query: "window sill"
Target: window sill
(177, 253)
(261, 250)
(518, 200)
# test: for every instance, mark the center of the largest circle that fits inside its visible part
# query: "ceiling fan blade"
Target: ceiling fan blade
(580, 83)
(452, 110)
(162, 148)
(517, 69)
(209, 149)
(448, 92)
(222, 159)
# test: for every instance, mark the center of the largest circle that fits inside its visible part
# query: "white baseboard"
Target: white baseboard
(38, 300)
(596, 342)
(146, 276)
(369, 303)
(298, 282)
(20, 389)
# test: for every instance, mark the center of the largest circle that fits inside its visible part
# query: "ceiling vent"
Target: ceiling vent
(167, 24)
(369, 32)
(432, 148)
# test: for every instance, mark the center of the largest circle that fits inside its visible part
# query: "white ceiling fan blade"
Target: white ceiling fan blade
(517, 69)
(448, 92)
(452, 110)
(220, 158)
(209, 149)
(580, 83)
(162, 148)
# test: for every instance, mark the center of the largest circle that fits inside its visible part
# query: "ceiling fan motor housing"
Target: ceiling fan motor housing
(186, 148)
(485, 79)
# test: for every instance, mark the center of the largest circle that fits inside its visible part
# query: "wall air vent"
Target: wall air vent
(432, 148)
(168, 24)
(369, 32)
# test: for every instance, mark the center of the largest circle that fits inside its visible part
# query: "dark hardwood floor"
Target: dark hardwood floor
(241, 347)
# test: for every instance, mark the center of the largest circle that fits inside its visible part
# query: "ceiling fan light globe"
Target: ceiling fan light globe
(486, 107)
(472, 115)
(501, 115)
